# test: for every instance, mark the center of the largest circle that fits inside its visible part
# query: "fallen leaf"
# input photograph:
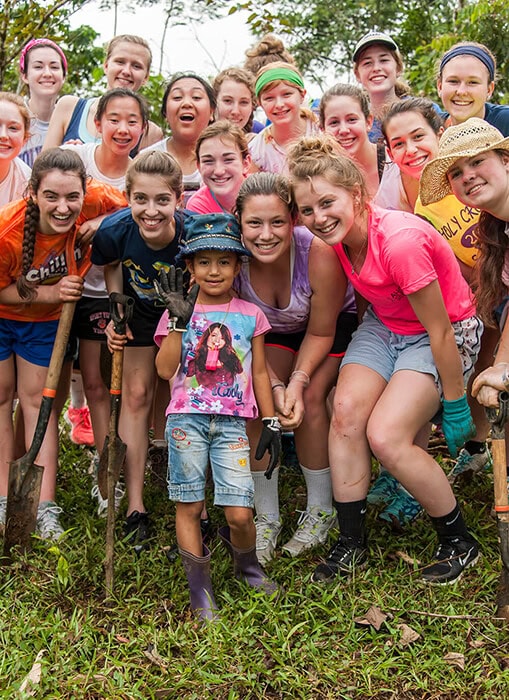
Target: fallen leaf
(504, 663)
(408, 635)
(455, 659)
(474, 643)
(122, 640)
(153, 656)
(34, 676)
(373, 618)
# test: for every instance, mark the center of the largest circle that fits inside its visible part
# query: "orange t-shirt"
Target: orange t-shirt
(49, 264)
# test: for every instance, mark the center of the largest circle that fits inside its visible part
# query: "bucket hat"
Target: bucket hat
(464, 140)
(211, 232)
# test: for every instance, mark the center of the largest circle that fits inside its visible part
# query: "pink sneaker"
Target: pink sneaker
(81, 427)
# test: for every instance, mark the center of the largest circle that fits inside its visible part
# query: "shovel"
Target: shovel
(25, 477)
(498, 418)
(113, 453)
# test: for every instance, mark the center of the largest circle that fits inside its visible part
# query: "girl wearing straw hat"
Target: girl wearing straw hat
(473, 164)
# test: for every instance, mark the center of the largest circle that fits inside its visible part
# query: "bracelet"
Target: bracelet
(304, 376)
(278, 385)
(172, 325)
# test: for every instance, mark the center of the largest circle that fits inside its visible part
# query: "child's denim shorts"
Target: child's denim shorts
(373, 345)
(194, 441)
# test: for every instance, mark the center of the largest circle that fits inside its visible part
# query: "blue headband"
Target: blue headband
(475, 51)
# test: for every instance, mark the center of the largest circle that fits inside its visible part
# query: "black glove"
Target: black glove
(170, 289)
(270, 441)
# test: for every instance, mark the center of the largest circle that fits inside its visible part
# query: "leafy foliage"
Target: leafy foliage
(322, 33)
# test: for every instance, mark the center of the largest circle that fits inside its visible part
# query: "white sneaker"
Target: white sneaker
(312, 529)
(102, 503)
(267, 533)
(48, 524)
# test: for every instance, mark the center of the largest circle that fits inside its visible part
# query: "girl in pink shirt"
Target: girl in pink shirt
(408, 360)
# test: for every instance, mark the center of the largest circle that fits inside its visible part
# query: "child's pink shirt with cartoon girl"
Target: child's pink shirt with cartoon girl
(404, 255)
(215, 375)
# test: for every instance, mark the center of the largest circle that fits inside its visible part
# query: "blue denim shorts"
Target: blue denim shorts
(373, 345)
(194, 441)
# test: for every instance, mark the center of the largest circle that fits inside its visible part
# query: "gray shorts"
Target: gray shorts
(373, 345)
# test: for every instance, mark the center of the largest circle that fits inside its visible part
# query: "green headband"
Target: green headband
(273, 74)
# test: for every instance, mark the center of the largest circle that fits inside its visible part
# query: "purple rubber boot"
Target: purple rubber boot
(246, 566)
(200, 586)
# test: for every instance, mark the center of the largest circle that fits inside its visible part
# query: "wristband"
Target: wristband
(172, 325)
(304, 377)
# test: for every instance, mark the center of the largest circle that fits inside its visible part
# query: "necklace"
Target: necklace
(212, 361)
(354, 261)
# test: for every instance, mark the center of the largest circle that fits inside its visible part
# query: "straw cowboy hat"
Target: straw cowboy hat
(461, 141)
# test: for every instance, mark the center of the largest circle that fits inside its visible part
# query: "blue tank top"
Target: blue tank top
(77, 128)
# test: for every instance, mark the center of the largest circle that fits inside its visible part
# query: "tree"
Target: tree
(21, 21)
(322, 33)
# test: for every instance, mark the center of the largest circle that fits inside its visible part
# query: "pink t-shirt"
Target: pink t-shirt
(215, 375)
(202, 202)
(406, 254)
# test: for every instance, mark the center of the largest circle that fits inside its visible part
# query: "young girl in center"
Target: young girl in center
(134, 245)
(223, 161)
(219, 385)
(408, 360)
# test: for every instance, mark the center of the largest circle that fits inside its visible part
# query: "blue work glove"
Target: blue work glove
(270, 441)
(457, 424)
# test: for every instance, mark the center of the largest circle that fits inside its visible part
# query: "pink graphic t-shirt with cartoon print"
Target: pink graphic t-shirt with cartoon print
(215, 375)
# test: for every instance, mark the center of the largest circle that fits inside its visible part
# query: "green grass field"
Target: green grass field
(304, 644)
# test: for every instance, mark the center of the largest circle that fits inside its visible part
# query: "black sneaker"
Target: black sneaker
(452, 558)
(343, 558)
(137, 530)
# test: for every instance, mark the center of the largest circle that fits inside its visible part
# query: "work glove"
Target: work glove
(457, 424)
(270, 441)
(170, 289)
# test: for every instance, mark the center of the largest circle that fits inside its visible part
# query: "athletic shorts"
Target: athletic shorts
(345, 326)
(31, 340)
(91, 317)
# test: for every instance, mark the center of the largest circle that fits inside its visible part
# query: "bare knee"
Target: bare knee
(239, 519)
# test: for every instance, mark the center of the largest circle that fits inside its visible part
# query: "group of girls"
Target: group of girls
(312, 236)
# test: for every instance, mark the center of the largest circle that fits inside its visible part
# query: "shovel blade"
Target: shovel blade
(25, 480)
(112, 459)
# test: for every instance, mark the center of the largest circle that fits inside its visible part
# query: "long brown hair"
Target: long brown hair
(493, 244)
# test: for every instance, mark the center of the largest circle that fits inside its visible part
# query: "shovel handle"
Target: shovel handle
(498, 419)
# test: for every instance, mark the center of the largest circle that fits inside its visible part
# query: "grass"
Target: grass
(304, 644)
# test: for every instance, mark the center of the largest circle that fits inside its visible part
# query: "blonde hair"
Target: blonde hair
(322, 156)
(129, 39)
(20, 104)
(268, 50)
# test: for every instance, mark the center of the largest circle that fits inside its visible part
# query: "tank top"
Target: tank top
(77, 128)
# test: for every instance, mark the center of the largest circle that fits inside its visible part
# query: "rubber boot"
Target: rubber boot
(246, 566)
(197, 571)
